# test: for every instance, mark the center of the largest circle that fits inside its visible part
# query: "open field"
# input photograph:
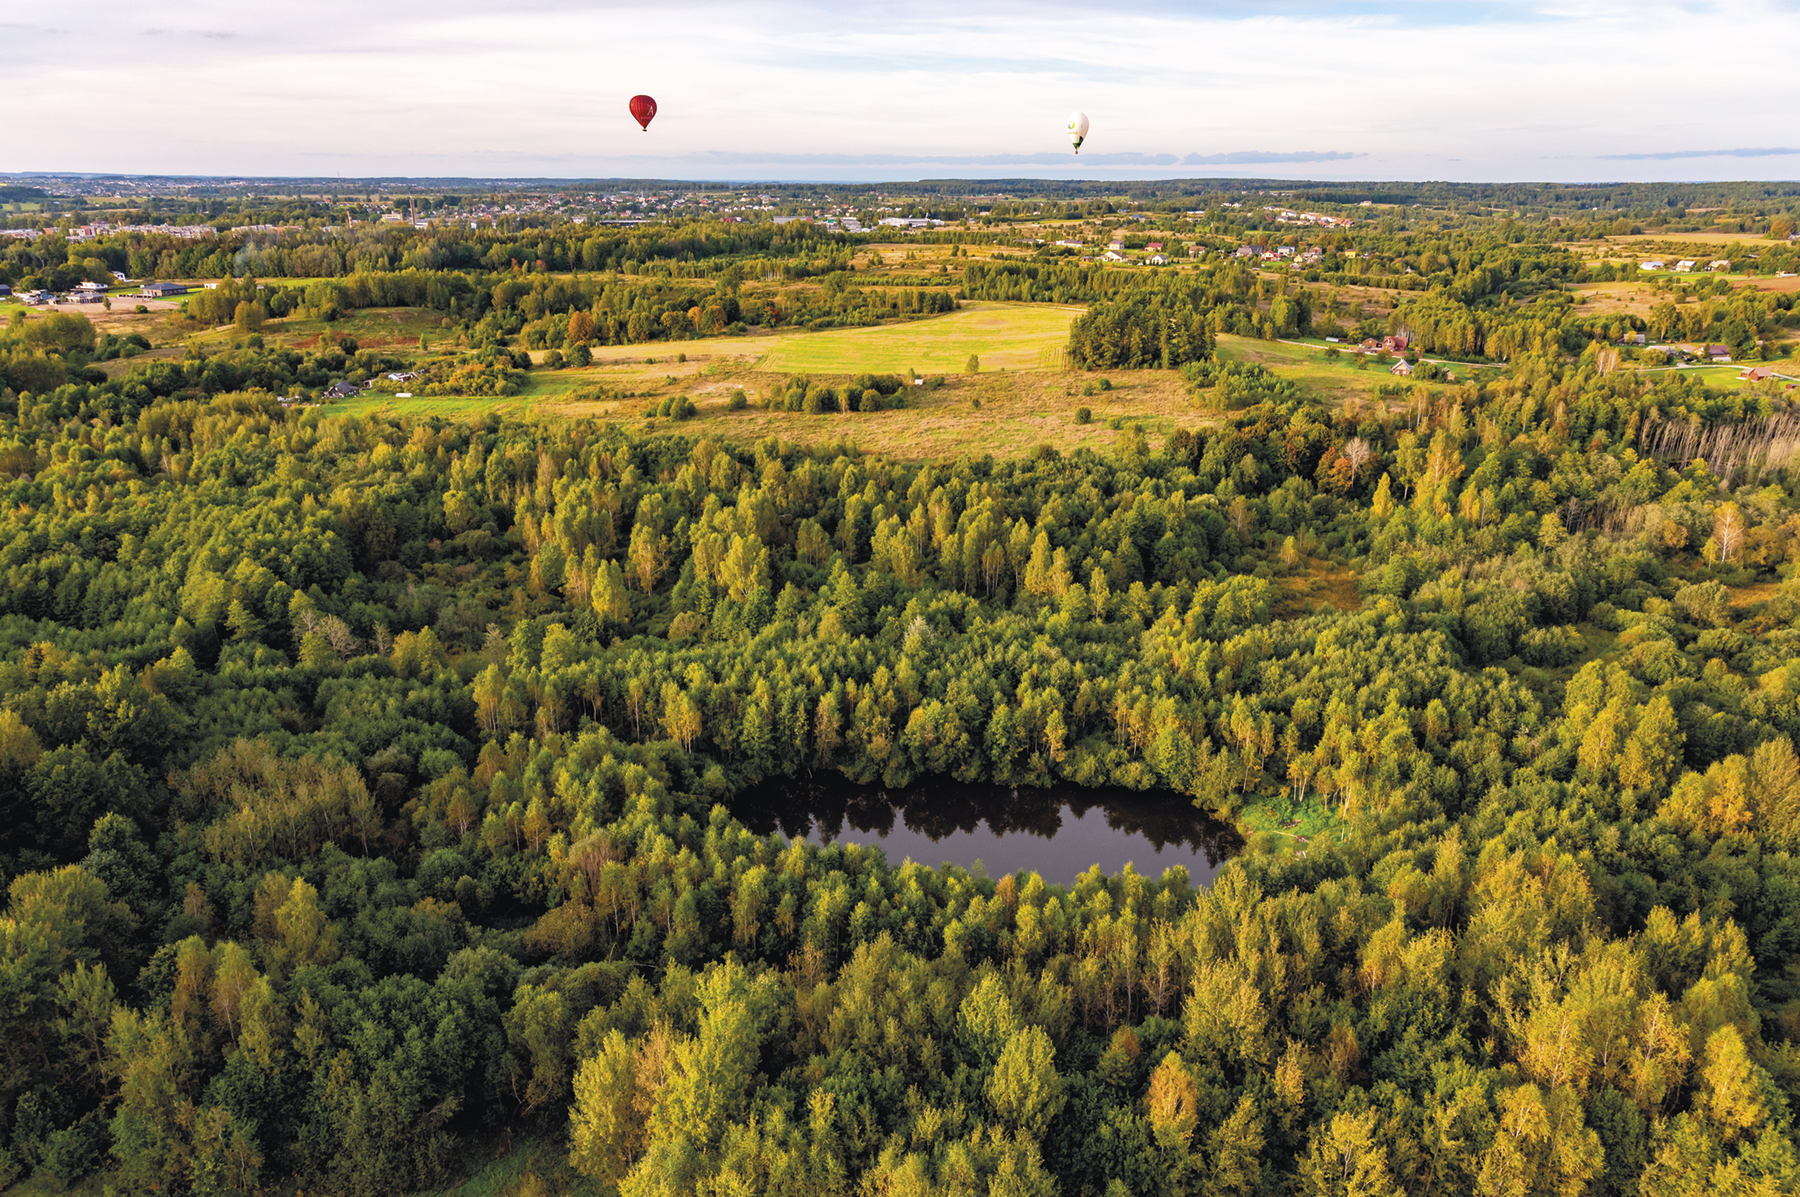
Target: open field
(1332, 379)
(1007, 412)
(1006, 336)
(1702, 237)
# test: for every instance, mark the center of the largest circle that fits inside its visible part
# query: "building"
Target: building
(1394, 344)
(342, 390)
(1756, 374)
(90, 285)
(1719, 353)
(1158, 260)
(1112, 255)
(79, 296)
(4, 290)
(1719, 264)
(1685, 265)
(164, 290)
(119, 276)
(1402, 368)
(33, 297)
(1653, 264)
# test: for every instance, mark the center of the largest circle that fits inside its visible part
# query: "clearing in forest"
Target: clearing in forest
(1010, 336)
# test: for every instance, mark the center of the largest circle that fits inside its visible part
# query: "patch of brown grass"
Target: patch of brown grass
(1019, 411)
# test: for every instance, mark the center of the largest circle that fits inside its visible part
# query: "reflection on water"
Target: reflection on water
(1057, 832)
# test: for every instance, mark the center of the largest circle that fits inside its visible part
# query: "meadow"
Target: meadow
(1005, 336)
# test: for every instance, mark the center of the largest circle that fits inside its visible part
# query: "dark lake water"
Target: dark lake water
(1057, 832)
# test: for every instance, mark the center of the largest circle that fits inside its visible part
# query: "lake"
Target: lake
(1057, 832)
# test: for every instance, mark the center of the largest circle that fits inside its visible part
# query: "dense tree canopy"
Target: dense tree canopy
(366, 784)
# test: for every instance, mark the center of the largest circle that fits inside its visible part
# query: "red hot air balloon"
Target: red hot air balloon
(643, 109)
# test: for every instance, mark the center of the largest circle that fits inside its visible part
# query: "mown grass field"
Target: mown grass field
(1005, 336)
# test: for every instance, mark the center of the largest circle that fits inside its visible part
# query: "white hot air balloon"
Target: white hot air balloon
(1078, 127)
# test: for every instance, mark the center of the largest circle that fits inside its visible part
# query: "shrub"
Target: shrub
(1083, 416)
(738, 401)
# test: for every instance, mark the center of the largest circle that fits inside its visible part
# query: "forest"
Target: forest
(366, 783)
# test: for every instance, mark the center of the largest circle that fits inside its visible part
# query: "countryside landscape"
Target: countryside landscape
(416, 591)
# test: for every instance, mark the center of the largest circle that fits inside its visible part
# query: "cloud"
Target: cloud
(1243, 157)
(1771, 152)
(214, 34)
(737, 157)
(1490, 89)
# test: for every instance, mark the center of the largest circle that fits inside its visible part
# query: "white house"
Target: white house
(1685, 265)
(1720, 264)
(1654, 264)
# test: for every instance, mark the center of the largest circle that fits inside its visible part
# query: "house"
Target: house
(1195, 251)
(1685, 265)
(1653, 264)
(119, 276)
(402, 376)
(1402, 368)
(342, 390)
(1636, 339)
(1112, 255)
(1244, 251)
(1720, 264)
(79, 296)
(1370, 344)
(33, 297)
(1158, 260)
(1756, 374)
(1719, 353)
(5, 290)
(89, 285)
(163, 290)
(1285, 251)
(1117, 245)
(1154, 247)
(1394, 344)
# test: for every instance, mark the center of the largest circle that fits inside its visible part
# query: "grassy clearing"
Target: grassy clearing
(1277, 823)
(1332, 379)
(1018, 411)
(535, 1168)
(1320, 585)
(1006, 336)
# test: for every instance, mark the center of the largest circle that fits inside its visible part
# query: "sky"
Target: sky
(1472, 90)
